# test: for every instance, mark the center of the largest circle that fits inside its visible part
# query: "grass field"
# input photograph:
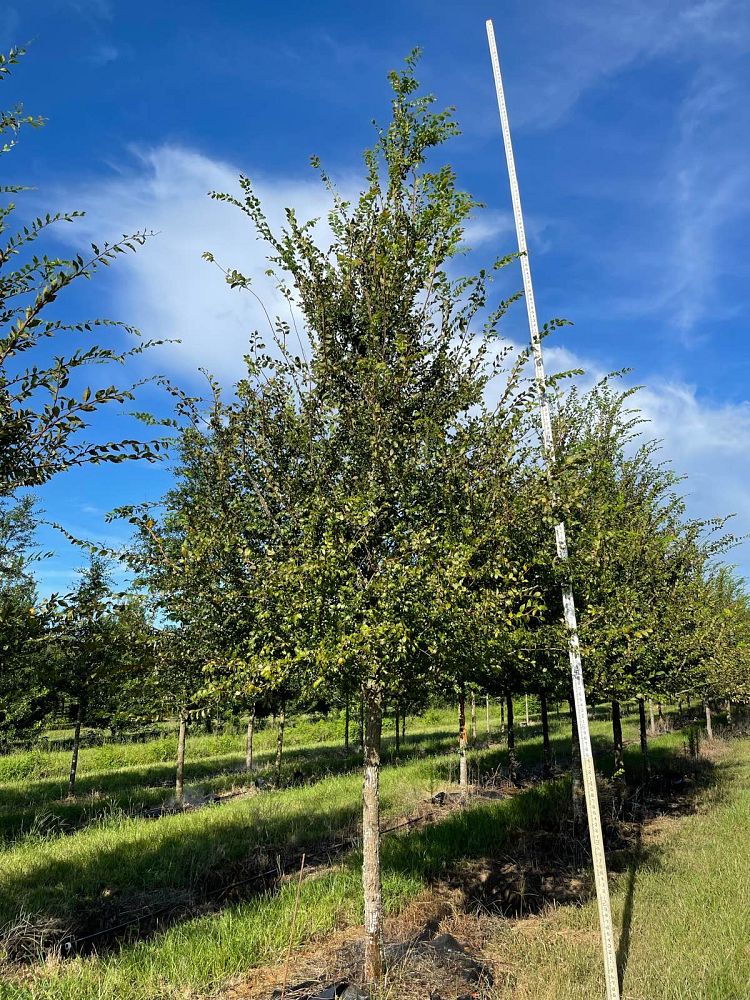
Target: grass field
(682, 911)
(116, 864)
(124, 779)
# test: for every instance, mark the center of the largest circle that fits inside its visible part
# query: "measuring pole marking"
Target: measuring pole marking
(569, 610)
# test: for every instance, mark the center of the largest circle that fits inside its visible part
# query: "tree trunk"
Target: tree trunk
(279, 743)
(249, 739)
(576, 775)
(651, 719)
(74, 758)
(371, 839)
(644, 737)
(403, 725)
(709, 723)
(512, 759)
(179, 786)
(526, 699)
(546, 752)
(346, 723)
(729, 712)
(463, 775)
(473, 717)
(487, 713)
(362, 722)
(618, 749)
(396, 720)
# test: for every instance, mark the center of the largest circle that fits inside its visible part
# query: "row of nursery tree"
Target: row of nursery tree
(364, 518)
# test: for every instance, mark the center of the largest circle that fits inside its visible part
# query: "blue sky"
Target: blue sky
(631, 124)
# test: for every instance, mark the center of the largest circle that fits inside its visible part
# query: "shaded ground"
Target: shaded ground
(536, 870)
(188, 867)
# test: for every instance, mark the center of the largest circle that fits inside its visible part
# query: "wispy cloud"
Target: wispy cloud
(689, 192)
(99, 10)
(582, 45)
(166, 288)
(705, 440)
(103, 54)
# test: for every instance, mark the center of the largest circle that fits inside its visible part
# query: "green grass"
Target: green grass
(682, 913)
(199, 955)
(128, 778)
(128, 862)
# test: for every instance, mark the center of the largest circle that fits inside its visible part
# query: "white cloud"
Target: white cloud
(166, 288)
(170, 291)
(705, 441)
(709, 442)
(583, 44)
(698, 198)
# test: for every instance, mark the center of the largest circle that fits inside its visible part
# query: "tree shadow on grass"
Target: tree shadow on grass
(41, 806)
(204, 862)
(80, 885)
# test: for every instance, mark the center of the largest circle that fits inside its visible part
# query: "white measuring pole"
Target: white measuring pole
(574, 652)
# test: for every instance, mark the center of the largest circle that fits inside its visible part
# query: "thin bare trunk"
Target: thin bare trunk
(362, 722)
(651, 719)
(546, 751)
(281, 718)
(179, 786)
(403, 725)
(346, 723)
(249, 739)
(473, 717)
(487, 713)
(371, 883)
(618, 749)
(463, 774)
(729, 712)
(644, 737)
(709, 722)
(576, 775)
(512, 759)
(526, 698)
(74, 758)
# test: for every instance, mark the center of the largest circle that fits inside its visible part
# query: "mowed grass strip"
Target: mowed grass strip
(124, 859)
(128, 778)
(40, 805)
(681, 913)
(131, 858)
(200, 956)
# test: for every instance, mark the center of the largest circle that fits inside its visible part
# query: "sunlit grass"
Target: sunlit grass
(126, 859)
(682, 913)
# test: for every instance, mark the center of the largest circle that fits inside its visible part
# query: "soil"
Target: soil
(543, 870)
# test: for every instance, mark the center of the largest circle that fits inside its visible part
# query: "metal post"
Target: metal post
(574, 653)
